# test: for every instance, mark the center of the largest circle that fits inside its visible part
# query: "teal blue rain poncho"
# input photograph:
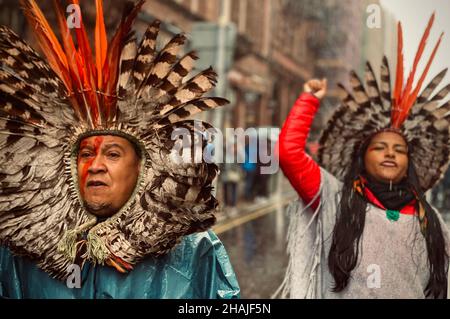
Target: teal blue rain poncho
(198, 267)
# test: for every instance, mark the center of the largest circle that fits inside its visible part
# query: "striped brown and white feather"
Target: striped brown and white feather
(373, 90)
(385, 84)
(429, 89)
(146, 54)
(39, 129)
(190, 109)
(163, 92)
(164, 61)
(426, 129)
(191, 90)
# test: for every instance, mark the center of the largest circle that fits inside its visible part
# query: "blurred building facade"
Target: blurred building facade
(279, 44)
(263, 50)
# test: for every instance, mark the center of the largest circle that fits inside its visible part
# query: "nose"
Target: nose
(97, 165)
(390, 152)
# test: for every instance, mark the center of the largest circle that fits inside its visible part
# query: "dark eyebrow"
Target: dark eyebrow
(385, 144)
(88, 146)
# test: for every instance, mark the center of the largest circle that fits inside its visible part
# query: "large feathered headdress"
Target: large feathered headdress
(420, 119)
(120, 88)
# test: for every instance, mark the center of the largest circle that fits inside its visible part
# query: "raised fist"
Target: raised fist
(316, 87)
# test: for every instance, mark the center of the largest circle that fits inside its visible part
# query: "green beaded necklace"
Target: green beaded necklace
(392, 215)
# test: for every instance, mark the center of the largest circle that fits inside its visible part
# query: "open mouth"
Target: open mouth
(95, 184)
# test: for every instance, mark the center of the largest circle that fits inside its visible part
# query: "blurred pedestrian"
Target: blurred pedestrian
(250, 168)
(262, 179)
(231, 176)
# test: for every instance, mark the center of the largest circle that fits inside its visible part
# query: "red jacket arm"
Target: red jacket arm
(300, 169)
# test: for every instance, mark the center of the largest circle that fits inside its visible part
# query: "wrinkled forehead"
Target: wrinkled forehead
(99, 141)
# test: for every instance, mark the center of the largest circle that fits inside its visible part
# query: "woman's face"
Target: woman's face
(386, 158)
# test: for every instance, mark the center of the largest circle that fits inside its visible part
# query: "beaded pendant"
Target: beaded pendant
(392, 215)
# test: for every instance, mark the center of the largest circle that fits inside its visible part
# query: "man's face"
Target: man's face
(108, 169)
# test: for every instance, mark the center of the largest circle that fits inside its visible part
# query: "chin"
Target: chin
(100, 209)
(388, 179)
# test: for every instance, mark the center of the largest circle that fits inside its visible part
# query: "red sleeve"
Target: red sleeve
(301, 170)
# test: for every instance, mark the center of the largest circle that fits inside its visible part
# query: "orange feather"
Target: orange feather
(101, 42)
(71, 55)
(404, 98)
(90, 84)
(47, 40)
(419, 53)
(412, 98)
(91, 81)
(399, 74)
(111, 68)
(68, 45)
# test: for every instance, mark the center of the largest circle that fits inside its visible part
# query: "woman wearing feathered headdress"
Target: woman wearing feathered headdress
(95, 190)
(372, 233)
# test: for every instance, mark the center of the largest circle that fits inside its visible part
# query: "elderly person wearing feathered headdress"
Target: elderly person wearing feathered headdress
(91, 174)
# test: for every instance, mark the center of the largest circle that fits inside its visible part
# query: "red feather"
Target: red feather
(419, 53)
(413, 96)
(101, 43)
(111, 68)
(47, 40)
(404, 98)
(399, 74)
(71, 55)
(91, 82)
(89, 72)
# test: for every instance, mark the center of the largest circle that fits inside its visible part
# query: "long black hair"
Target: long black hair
(345, 246)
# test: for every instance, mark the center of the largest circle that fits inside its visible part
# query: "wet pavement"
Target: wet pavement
(256, 244)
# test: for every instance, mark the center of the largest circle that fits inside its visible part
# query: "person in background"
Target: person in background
(250, 167)
(231, 176)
